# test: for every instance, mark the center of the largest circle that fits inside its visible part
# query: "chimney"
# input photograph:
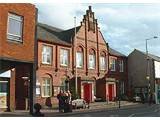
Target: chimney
(90, 8)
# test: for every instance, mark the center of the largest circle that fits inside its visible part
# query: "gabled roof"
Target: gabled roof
(116, 53)
(55, 35)
(157, 58)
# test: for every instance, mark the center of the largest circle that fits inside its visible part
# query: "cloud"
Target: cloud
(124, 26)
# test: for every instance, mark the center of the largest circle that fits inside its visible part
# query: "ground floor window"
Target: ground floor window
(122, 87)
(46, 87)
(38, 89)
(56, 90)
(3, 94)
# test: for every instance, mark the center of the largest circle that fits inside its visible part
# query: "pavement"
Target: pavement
(96, 106)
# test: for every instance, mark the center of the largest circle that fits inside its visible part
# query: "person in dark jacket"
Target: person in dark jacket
(61, 101)
(37, 112)
(142, 98)
(150, 99)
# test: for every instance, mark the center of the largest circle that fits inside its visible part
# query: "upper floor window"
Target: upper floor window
(103, 61)
(113, 64)
(121, 66)
(92, 61)
(46, 54)
(15, 25)
(46, 87)
(64, 57)
(79, 57)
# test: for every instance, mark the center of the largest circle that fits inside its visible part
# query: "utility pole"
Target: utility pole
(75, 56)
(148, 67)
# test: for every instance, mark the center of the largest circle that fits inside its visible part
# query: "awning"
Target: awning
(6, 74)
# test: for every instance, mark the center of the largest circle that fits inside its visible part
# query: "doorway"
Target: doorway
(111, 91)
(87, 87)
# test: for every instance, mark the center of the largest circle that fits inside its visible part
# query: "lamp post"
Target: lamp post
(75, 57)
(148, 66)
(119, 96)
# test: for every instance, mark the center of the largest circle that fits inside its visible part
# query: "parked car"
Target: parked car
(79, 103)
(137, 99)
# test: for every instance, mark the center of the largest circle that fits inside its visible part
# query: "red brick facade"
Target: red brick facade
(88, 40)
(17, 57)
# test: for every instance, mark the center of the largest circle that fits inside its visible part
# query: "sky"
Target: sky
(124, 26)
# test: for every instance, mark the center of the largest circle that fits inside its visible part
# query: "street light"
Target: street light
(147, 69)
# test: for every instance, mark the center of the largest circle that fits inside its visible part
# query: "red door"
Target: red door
(110, 91)
(87, 92)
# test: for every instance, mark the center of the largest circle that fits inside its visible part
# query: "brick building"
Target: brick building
(17, 55)
(115, 81)
(58, 54)
(143, 72)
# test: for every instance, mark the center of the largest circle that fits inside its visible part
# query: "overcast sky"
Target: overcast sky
(124, 26)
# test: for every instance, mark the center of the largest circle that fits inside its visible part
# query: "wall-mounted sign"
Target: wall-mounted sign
(157, 69)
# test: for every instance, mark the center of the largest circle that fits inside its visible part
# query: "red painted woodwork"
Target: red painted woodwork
(88, 92)
(111, 90)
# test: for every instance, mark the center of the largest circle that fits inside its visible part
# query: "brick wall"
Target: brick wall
(18, 51)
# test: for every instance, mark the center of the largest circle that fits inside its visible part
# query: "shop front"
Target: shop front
(4, 93)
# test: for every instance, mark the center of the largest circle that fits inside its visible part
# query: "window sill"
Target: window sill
(45, 96)
(79, 67)
(48, 64)
(62, 65)
(15, 41)
(91, 68)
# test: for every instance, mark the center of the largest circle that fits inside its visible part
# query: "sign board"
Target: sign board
(157, 69)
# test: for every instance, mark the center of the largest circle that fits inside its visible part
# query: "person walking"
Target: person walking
(60, 101)
(69, 101)
(142, 98)
(150, 99)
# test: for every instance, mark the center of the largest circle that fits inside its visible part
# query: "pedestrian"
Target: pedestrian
(150, 99)
(66, 104)
(69, 101)
(60, 101)
(37, 112)
(142, 98)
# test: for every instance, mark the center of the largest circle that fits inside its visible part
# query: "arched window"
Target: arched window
(79, 57)
(92, 59)
(103, 61)
(47, 86)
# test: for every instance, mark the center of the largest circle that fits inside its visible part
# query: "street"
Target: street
(140, 110)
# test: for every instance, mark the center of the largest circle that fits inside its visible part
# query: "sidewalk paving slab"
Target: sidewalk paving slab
(96, 106)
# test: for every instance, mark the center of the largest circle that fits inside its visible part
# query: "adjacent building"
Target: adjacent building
(62, 57)
(115, 81)
(17, 55)
(142, 79)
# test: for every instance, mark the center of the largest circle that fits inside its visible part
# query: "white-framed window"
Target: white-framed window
(122, 88)
(79, 59)
(38, 89)
(121, 67)
(102, 63)
(15, 25)
(46, 87)
(46, 54)
(91, 61)
(64, 57)
(113, 64)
